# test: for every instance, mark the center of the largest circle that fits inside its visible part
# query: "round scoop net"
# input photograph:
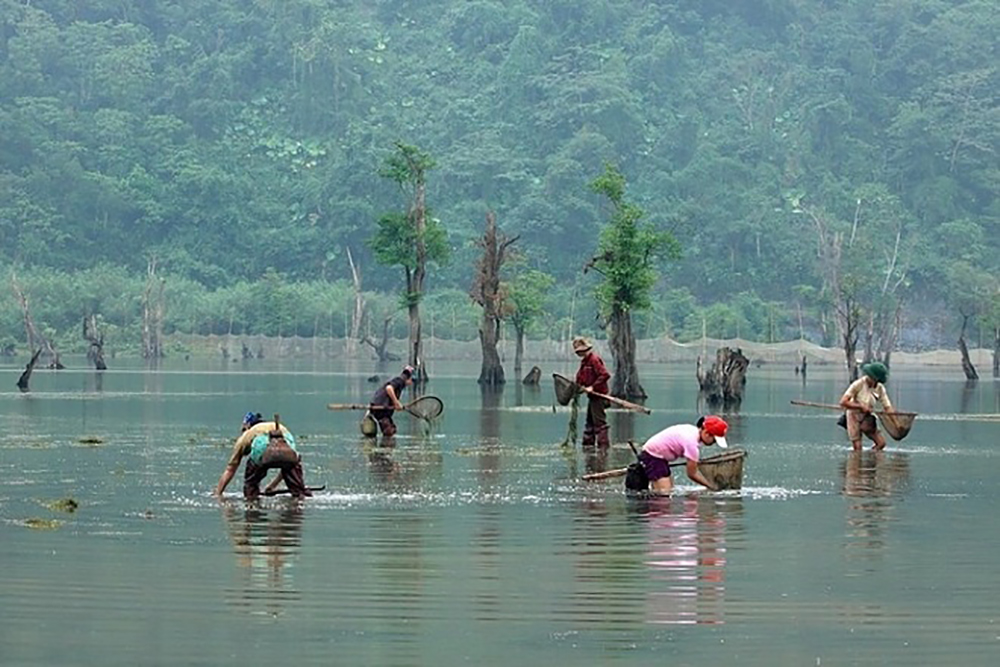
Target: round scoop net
(426, 407)
(566, 389)
(897, 424)
(724, 470)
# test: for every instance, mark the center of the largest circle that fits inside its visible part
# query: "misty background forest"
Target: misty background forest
(220, 167)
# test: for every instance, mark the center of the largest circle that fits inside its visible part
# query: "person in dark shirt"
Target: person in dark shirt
(388, 396)
(593, 376)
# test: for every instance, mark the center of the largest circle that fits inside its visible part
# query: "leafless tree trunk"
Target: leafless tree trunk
(996, 351)
(967, 367)
(518, 348)
(95, 337)
(22, 382)
(415, 285)
(152, 313)
(488, 293)
(358, 312)
(380, 347)
(32, 333)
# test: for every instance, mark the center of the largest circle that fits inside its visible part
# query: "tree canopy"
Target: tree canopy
(229, 138)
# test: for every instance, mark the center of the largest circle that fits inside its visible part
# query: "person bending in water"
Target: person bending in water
(266, 446)
(859, 402)
(673, 443)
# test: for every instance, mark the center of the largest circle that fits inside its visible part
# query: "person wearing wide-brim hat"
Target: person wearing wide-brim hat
(859, 401)
(593, 376)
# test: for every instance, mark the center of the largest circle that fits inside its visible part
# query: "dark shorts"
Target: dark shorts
(384, 418)
(656, 468)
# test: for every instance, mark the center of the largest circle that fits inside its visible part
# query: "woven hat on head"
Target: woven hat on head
(876, 371)
(581, 344)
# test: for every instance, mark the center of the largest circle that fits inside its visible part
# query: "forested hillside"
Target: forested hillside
(795, 148)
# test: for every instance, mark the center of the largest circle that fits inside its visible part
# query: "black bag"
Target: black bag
(842, 422)
(635, 477)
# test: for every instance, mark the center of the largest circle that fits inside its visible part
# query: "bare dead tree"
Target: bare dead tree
(381, 346)
(95, 339)
(358, 311)
(22, 382)
(967, 367)
(152, 313)
(35, 338)
(488, 293)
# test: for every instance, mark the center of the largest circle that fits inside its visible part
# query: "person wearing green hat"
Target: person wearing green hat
(859, 401)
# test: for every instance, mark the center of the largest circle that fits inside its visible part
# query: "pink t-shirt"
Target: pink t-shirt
(674, 442)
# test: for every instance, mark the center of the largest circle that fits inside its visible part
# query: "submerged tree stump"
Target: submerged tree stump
(723, 384)
(22, 382)
(533, 377)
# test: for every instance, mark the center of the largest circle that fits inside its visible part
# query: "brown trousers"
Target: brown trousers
(254, 474)
(596, 426)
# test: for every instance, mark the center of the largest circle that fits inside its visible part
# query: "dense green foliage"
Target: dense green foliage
(628, 249)
(239, 142)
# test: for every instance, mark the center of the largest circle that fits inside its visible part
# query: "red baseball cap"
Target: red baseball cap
(716, 426)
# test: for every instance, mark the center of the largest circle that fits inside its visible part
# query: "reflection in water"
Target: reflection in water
(871, 481)
(686, 558)
(488, 593)
(266, 540)
(489, 435)
(623, 426)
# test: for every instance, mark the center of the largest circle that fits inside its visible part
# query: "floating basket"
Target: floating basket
(368, 425)
(725, 470)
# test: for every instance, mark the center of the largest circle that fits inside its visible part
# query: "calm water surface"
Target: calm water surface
(474, 543)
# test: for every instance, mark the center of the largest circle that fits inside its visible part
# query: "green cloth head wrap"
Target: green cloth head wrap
(877, 371)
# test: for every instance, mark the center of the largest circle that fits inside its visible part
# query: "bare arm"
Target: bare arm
(692, 470)
(392, 396)
(848, 402)
(227, 475)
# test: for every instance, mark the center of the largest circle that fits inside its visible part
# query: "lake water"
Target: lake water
(475, 543)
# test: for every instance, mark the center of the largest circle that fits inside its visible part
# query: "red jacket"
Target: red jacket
(593, 373)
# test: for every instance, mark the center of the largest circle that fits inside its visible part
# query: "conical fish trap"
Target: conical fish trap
(897, 424)
(368, 425)
(566, 389)
(724, 471)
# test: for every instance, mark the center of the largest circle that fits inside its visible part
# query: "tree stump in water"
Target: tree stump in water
(22, 382)
(723, 384)
(533, 377)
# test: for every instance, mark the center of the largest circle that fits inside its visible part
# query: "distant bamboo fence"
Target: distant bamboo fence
(656, 350)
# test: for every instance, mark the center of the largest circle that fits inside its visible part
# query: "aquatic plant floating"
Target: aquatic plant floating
(67, 505)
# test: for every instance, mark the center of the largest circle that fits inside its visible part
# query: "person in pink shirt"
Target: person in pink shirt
(680, 441)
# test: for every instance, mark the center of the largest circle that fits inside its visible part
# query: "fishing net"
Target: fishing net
(897, 424)
(566, 389)
(572, 430)
(426, 408)
(724, 471)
